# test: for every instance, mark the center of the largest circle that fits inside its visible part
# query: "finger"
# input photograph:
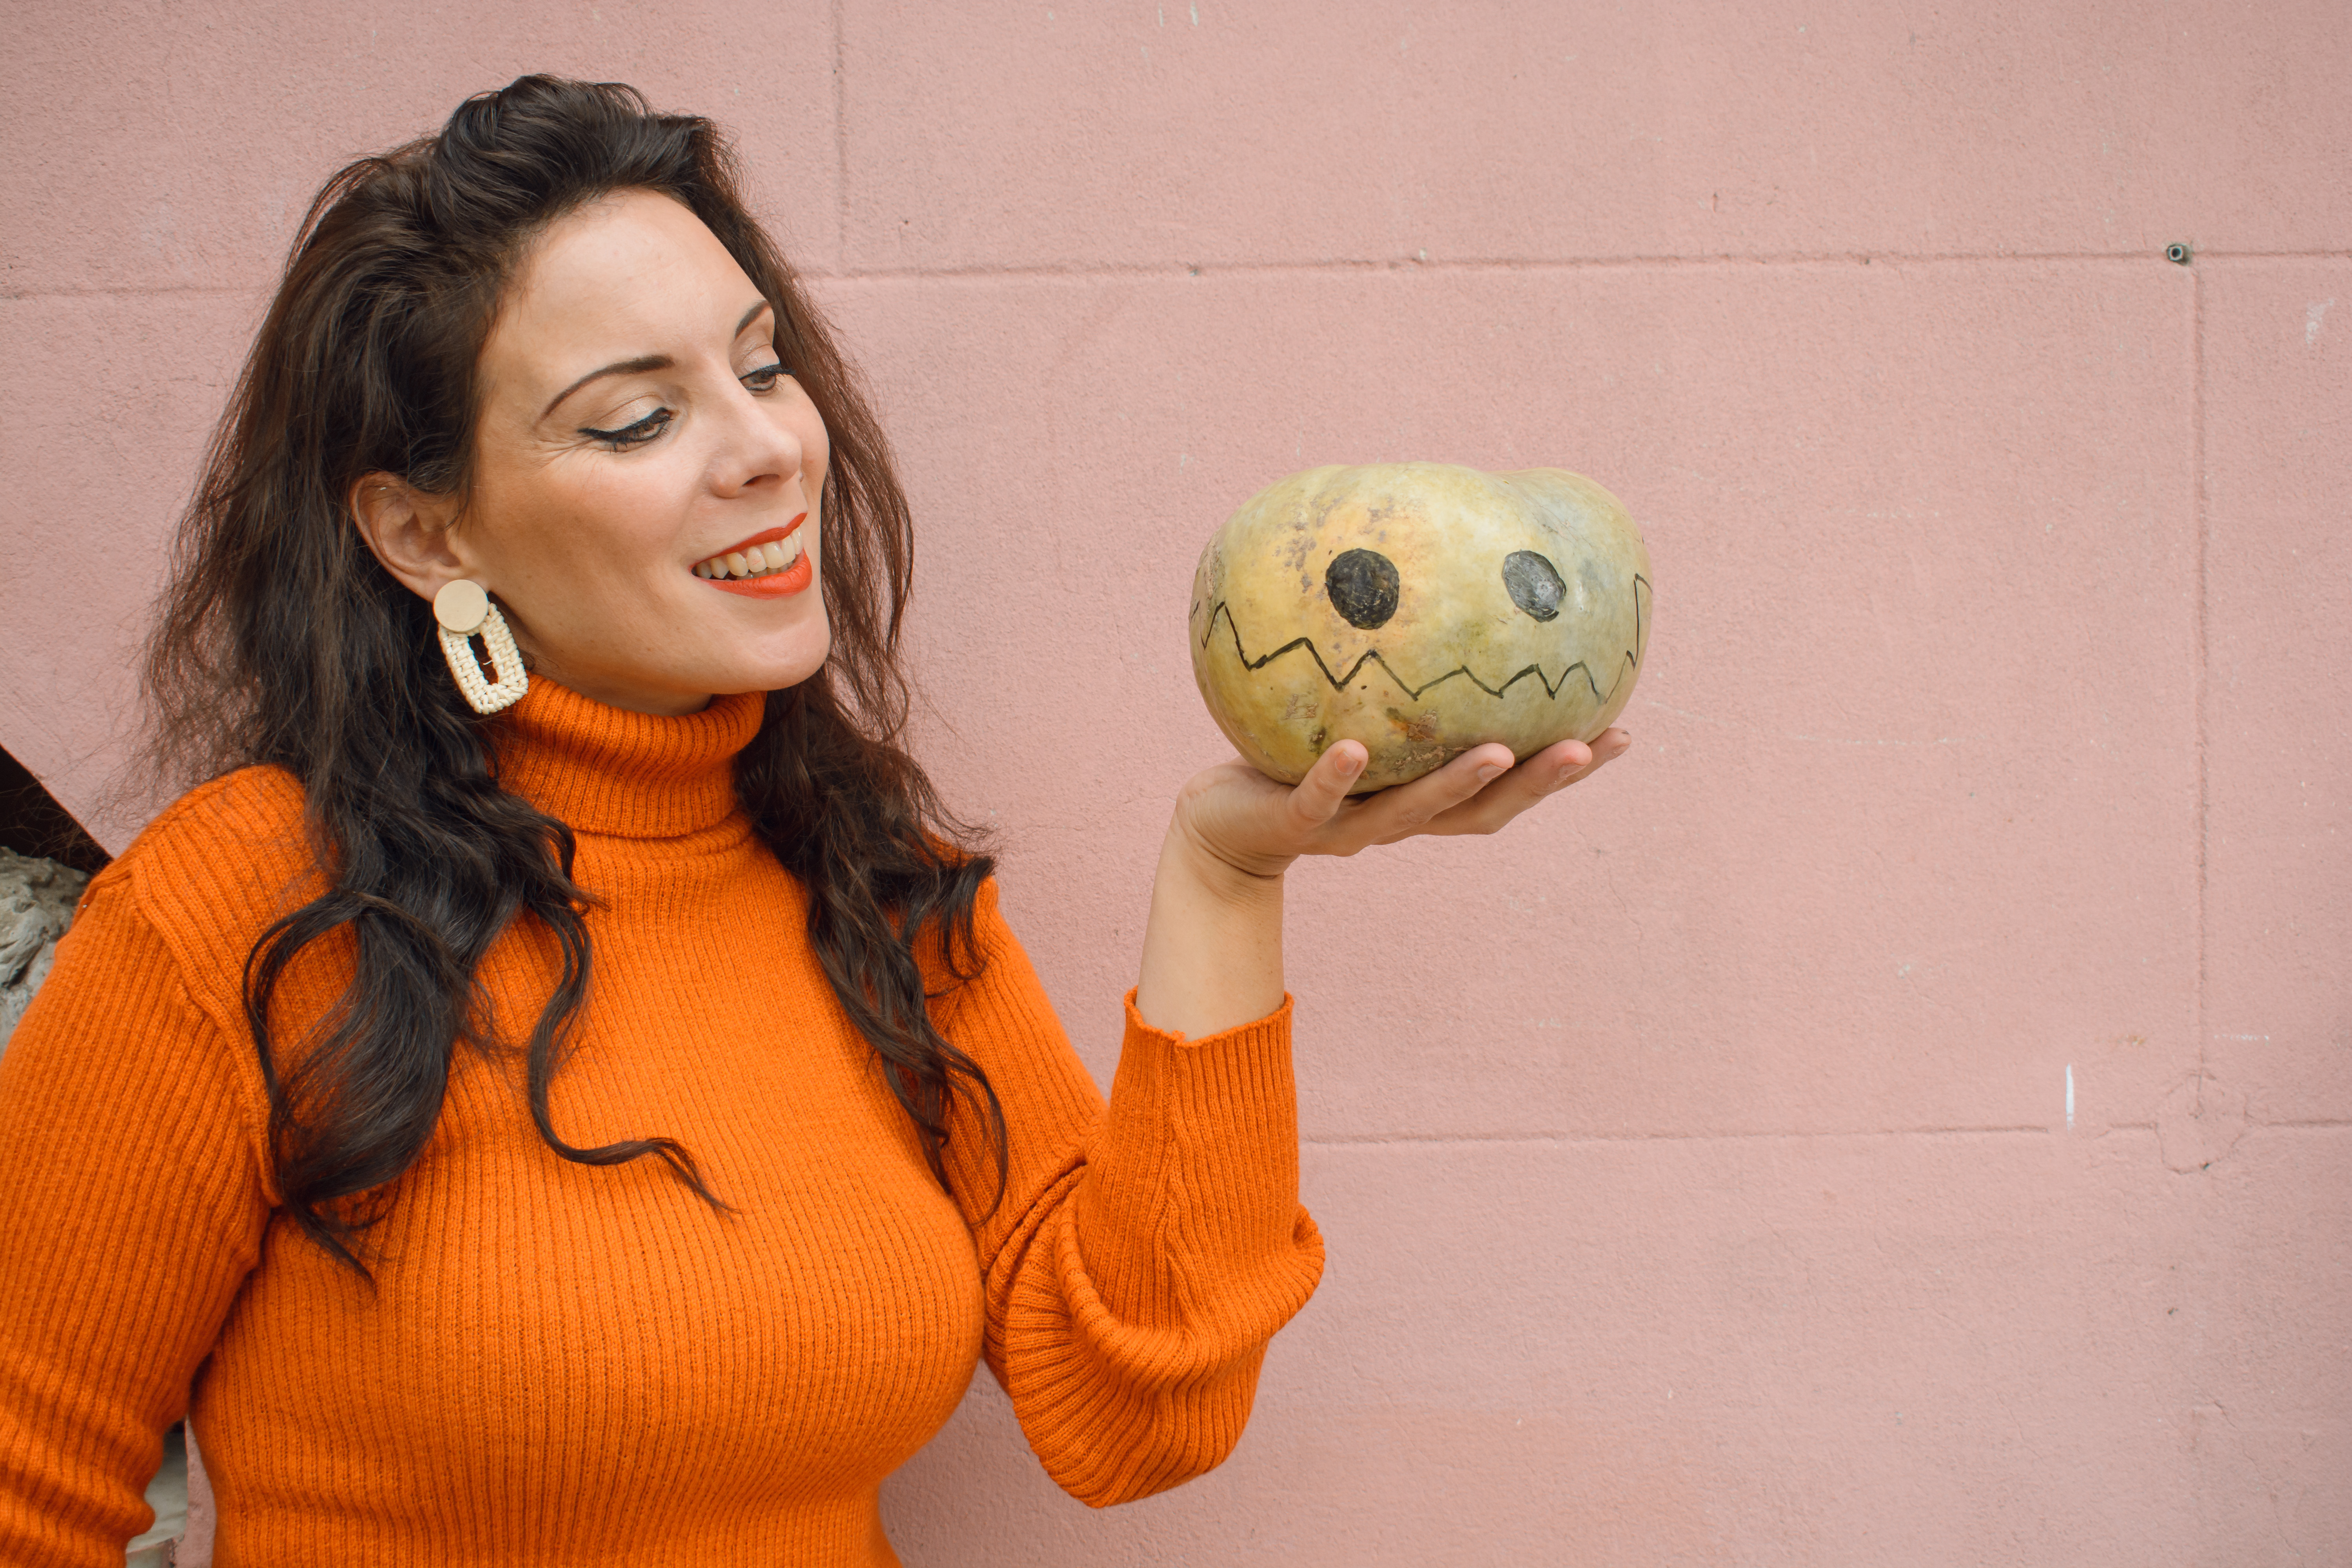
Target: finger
(1524, 786)
(1319, 796)
(1606, 748)
(1402, 810)
(1545, 774)
(1500, 799)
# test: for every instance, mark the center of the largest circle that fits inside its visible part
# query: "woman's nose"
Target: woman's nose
(757, 446)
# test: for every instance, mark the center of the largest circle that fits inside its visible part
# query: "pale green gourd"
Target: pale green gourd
(1423, 609)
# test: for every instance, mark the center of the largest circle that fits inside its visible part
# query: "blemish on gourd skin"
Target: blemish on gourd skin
(1589, 586)
(1416, 727)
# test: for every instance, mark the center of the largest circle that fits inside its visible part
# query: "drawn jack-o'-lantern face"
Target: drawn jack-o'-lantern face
(1423, 609)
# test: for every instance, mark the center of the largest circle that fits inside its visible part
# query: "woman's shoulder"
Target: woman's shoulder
(251, 814)
(219, 864)
(151, 967)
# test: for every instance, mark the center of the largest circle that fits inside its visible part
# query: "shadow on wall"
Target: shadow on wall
(32, 822)
(46, 860)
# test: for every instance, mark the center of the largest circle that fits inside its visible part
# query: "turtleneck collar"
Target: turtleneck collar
(629, 776)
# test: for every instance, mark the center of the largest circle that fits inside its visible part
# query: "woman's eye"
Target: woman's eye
(636, 435)
(764, 378)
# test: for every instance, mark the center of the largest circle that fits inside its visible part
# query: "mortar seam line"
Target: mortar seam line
(2200, 693)
(147, 293)
(1536, 265)
(1770, 1136)
(840, 133)
(1092, 270)
(1426, 1140)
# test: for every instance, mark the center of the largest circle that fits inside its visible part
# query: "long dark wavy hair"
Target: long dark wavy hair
(282, 641)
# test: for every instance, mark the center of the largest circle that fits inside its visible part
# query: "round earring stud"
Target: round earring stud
(461, 606)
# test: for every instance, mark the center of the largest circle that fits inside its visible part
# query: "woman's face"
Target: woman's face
(648, 478)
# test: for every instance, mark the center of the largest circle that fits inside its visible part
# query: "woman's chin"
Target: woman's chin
(777, 668)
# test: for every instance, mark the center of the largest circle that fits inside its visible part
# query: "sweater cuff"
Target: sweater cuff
(1209, 1127)
(1271, 1032)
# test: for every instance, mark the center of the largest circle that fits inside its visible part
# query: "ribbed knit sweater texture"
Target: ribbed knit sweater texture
(562, 1364)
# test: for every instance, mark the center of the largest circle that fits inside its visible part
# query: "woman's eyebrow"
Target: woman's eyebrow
(645, 362)
(626, 367)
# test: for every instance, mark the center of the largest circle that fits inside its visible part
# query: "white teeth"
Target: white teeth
(753, 560)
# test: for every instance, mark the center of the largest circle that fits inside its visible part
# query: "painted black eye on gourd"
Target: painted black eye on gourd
(1534, 583)
(1363, 586)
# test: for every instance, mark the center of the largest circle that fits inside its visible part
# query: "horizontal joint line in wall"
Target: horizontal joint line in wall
(2043, 1130)
(163, 293)
(1341, 265)
(2251, 1121)
(2037, 1129)
(1505, 265)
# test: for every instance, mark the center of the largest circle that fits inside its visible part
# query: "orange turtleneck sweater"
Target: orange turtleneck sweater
(561, 1363)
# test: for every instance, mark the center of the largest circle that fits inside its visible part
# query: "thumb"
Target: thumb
(1320, 795)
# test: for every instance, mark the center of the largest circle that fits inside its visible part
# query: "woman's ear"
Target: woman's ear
(409, 532)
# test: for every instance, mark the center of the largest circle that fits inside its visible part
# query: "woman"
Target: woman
(600, 1114)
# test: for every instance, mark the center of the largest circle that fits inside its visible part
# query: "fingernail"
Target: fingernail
(1348, 763)
(1489, 774)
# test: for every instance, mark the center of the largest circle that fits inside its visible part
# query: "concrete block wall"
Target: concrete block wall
(1902, 1112)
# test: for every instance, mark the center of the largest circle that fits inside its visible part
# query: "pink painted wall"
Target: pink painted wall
(1903, 1114)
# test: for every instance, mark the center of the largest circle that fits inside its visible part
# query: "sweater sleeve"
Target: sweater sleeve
(1144, 1252)
(130, 1178)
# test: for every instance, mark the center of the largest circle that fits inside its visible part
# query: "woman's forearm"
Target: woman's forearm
(1212, 948)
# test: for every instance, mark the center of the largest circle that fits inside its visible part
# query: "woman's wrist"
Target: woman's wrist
(1185, 853)
(1212, 950)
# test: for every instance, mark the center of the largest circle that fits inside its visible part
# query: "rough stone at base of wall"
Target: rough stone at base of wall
(167, 1494)
(36, 904)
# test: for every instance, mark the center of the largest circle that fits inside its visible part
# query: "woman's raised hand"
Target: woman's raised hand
(1212, 948)
(1238, 816)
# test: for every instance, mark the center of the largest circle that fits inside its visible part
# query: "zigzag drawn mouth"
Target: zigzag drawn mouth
(1341, 682)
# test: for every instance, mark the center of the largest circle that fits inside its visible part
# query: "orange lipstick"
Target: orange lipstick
(781, 585)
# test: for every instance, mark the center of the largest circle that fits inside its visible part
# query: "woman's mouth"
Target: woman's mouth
(768, 564)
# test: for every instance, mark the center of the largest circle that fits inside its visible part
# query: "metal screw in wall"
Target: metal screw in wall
(2177, 254)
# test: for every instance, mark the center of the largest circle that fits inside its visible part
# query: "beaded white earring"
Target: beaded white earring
(464, 609)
